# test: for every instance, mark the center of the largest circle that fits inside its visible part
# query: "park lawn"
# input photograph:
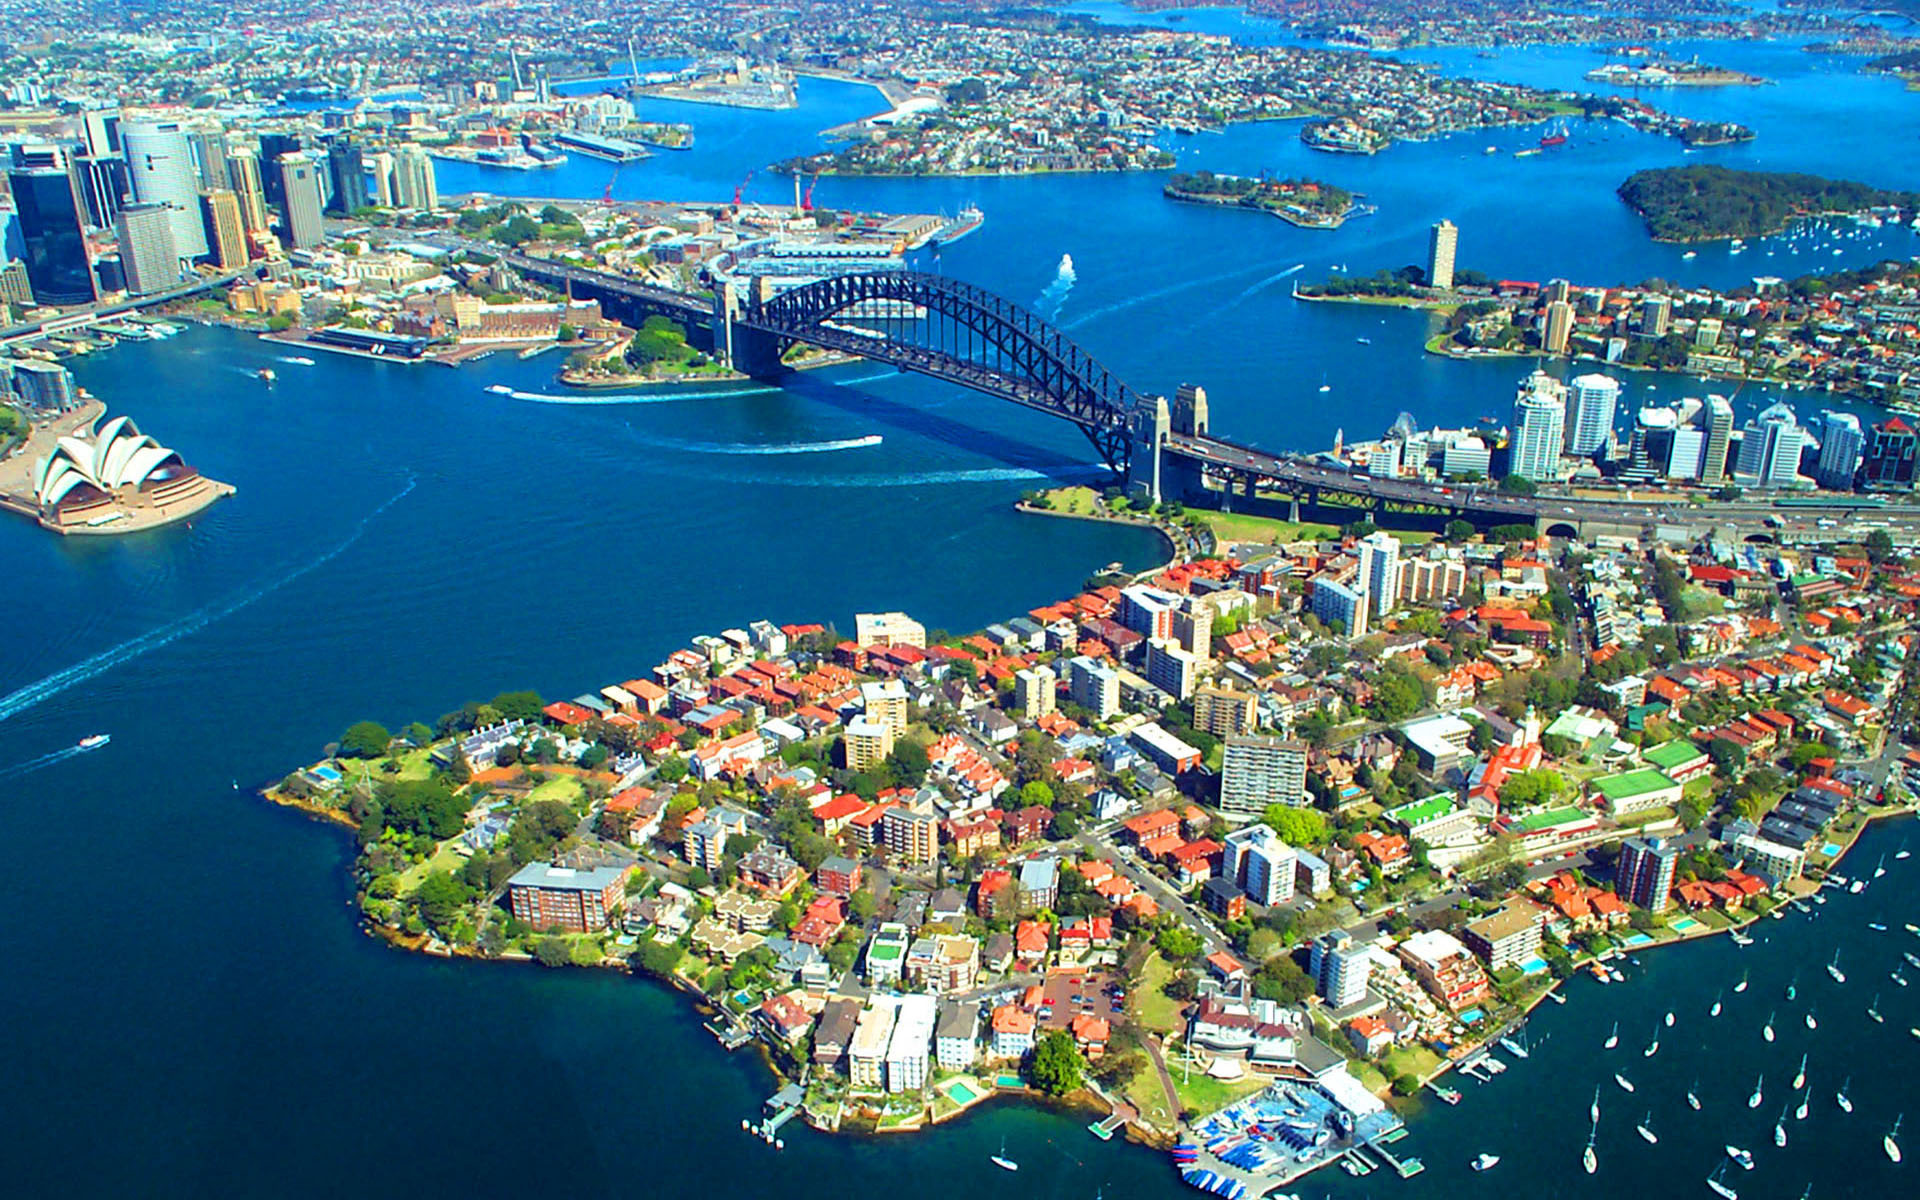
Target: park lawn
(1410, 1060)
(565, 788)
(1697, 602)
(443, 858)
(1239, 527)
(1206, 1094)
(1153, 1008)
(1145, 1093)
(1371, 1077)
(1077, 501)
(414, 764)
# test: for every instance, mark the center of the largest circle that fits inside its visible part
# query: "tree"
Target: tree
(660, 958)
(365, 739)
(1396, 695)
(1879, 545)
(418, 734)
(1057, 1066)
(1460, 531)
(861, 905)
(1530, 788)
(440, 898)
(1406, 1084)
(1036, 792)
(1297, 825)
(553, 952)
(1178, 943)
(1066, 825)
(1518, 485)
(1282, 980)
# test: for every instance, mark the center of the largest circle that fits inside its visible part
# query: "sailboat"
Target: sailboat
(1720, 1188)
(1806, 1098)
(1593, 1110)
(1653, 1047)
(1742, 985)
(1811, 1023)
(1880, 868)
(1888, 1143)
(1669, 1020)
(1833, 968)
(1902, 852)
(1588, 1159)
(1644, 1131)
(1626, 1085)
(1767, 1030)
(1800, 1076)
(1693, 1096)
(1715, 1010)
(1841, 1098)
(1793, 985)
(1515, 1043)
(1780, 1129)
(1873, 1010)
(1002, 1161)
(1753, 1101)
(1613, 1039)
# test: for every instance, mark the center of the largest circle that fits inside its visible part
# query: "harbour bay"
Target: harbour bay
(403, 541)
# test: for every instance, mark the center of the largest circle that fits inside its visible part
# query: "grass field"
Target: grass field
(1145, 1093)
(1075, 500)
(1152, 1007)
(1207, 1094)
(1235, 527)
(1410, 1060)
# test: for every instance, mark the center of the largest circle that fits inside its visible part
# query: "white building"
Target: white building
(912, 1043)
(1256, 771)
(1591, 401)
(161, 170)
(1380, 571)
(1539, 416)
(1260, 864)
(1094, 686)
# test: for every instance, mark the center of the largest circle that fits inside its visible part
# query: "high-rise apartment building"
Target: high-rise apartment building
(1770, 448)
(243, 175)
(161, 170)
(1442, 242)
(1656, 313)
(413, 181)
(380, 163)
(1891, 454)
(1336, 601)
(1841, 444)
(1256, 861)
(1591, 402)
(300, 205)
(1539, 418)
(1339, 966)
(1644, 872)
(209, 156)
(1256, 771)
(226, 234)
(1094, 686)
(147, 255)
(1719, 419)
(1379, 573)
(1223, 712)
(1559, 327)
(1034, 691)
(1172, 669)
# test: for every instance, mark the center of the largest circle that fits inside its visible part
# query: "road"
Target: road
(1156, 887)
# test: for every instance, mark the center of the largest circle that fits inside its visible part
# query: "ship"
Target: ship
(1557, 136)
(969, 219)
(94, 741)
(266, 373)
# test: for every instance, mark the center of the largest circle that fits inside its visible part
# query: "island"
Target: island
(1904, 65)
(1708, 203)
(1307, 203)
(1657, 71)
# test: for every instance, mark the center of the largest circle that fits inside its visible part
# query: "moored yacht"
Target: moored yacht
(1486, 1162)
(1742, 985)
(1841, 1098)
(1693, 1096)
(1833, 968)
(1753, 1101)
(1714, 1181)
(1626, 1085)
(1645, 1130)
(1766, 1031)
(1613, 1039)
(1806, 1098)
(1715, 1010)
(1743, 1157)
(1889, 1144)
(1800, 1076)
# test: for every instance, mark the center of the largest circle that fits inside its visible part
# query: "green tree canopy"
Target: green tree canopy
(1057, 1066)
(365, 739)
(1297, 825)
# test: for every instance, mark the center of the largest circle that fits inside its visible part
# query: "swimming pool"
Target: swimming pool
(961, 1094)
(1637, 940)
(326, 773)
(1685, 925)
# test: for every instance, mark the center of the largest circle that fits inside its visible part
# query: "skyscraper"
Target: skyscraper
(1559, 327)
(100, 131)
(243, 176)
(1770, 448)
(348, 168)
(54, 248)
(1644, 873)
(225, 231)
(1719, 419)
(1655, 313)
(272, 146)
(1891, 454)
(1339, 967)
(160, 170)
(147, 253)
(210, 156)
(1841, 441)
(1335, 601)
(103, 185)
(1380, 570)
(1539, 414)
(1256, 770)
(413, 181)
(1441, 245)
(381, 164)
(1592, 399)
(300, 203)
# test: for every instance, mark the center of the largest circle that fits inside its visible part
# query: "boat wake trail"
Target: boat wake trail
(751, 448)
(1055, 295)
(1107, 310)
(40, 691)
(1276, 277)
(45, 760)
(638, 397)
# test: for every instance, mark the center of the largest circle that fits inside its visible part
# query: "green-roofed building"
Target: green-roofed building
(1435, 820)
(1634, 791)
(1678, 760)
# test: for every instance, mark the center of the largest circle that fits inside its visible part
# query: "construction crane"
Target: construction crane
(740, 189)
(606, 197)
(806, 202)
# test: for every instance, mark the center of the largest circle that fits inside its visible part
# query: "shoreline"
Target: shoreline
(1329, 224)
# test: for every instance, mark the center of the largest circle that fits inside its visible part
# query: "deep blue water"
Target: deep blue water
(188, 987)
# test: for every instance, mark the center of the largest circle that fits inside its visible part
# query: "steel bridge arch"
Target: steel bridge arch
(986, 342)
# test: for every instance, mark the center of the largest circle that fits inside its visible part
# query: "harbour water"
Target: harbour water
(192, 1008)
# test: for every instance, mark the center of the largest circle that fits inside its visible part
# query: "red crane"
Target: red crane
(806, 202)
(606, 197)
(741, 188)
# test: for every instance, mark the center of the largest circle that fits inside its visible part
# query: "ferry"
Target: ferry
(94, 741)
(1719, 1188)
(1486, 1162)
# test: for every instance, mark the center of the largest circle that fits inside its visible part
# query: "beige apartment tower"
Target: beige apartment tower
(1441, 245)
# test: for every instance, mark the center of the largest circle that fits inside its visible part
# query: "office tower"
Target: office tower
(100, 132)
(161, 171)
(1334, 601)
(1442, 242)
(1094, 686)
(1650, 446)
(103, 186)
(348, 169)
(1539, 417)
(1644, 874)
(1380, 570)
(272, 146)
(1034, 691)
(1841, 442)
(52, 242)
(1655, 314)
(226, 233)
(1719, 418)
(381, 164)
(1339, 967)
(1559, 327)
(243, 176)
(1591, 400)
(1256, 861)
(300, 202)
(1688, 451)
(1770, 448)
(1891, 453)
(210, 156)
(1256, 771)
(413, 181)
(1706, 334)
(147, 254)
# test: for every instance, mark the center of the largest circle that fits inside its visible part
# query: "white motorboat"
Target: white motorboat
(1626, 1085)
(1486, 1162)
(1669, 1020)
(1742, 1157)
(1811, 1022)
(94, 741)
(1856, 887)
(1742, 985)
(500, 389)
(1715, 1010)
(1613, 1039)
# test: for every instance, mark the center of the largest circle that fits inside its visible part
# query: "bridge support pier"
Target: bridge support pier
(1293, 508)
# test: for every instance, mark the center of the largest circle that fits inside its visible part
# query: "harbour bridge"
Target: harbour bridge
(954, 331)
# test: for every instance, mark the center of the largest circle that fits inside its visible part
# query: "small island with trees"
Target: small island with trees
(1307, 203)
(1709, 203)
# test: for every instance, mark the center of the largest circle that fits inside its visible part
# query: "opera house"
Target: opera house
(115, 480)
